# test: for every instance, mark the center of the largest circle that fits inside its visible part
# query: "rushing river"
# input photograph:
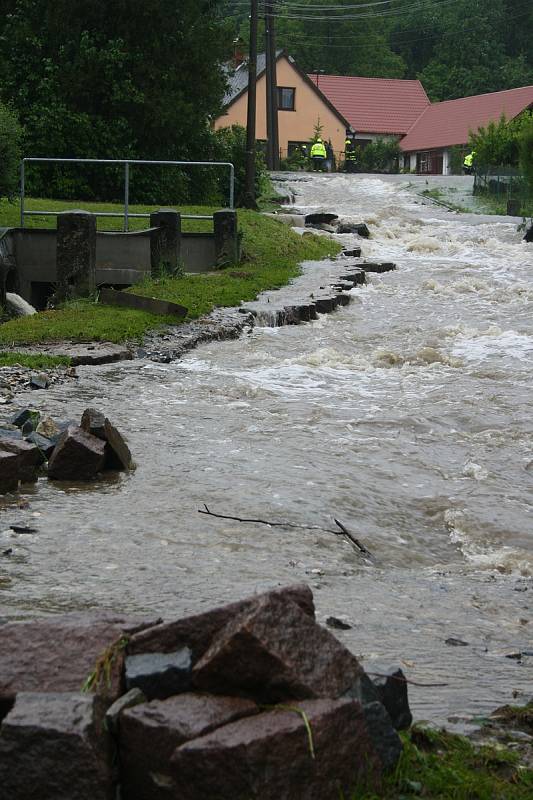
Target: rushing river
(406, 415)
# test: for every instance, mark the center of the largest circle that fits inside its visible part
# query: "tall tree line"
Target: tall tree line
(455, 47)
(114, 78)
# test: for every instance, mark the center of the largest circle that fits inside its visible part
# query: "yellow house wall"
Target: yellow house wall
(294, 126)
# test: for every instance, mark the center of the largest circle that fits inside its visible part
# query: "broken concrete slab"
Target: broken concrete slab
(273, 652)
(361, 229)
(378, 267)
(198, 631)
(150, 733)
(150, 304)
(320, 218)
(53, 747)
(355, 252)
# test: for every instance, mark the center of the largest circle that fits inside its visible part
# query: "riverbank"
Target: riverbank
(271, 251)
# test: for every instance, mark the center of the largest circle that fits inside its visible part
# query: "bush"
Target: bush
(230, 145)
(380, 156)
(10, 152)
(499, 143)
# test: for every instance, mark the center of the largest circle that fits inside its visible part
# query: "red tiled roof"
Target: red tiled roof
(375, 105)
(448, 123)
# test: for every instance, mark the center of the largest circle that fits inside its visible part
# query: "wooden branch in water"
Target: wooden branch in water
(342, 532)
(356, 543)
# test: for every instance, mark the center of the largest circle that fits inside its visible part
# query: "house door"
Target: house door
(430, 162)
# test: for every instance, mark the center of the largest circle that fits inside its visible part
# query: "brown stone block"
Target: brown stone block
(27, 455)
(197, 631)
(53, 747)
(78, 456)
(150, 733)
(274, 651)
(268, 757)
(57, 654)
(8, 472)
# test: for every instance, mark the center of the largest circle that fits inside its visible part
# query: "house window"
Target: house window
(293, 147)
(286, 98)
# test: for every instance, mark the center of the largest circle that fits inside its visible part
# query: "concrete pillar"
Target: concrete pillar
(227, 244)
(165, 242)
(76, 254)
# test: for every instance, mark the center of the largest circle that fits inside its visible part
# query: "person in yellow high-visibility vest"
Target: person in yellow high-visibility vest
(468, 163)
(318, 155)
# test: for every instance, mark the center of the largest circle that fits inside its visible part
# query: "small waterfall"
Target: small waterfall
(18, 305)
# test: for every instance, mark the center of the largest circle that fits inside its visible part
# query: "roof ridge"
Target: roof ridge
(484, 94)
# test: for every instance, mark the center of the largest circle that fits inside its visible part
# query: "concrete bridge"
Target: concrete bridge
(35, 261)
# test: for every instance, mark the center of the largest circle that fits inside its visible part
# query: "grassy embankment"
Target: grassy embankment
(484, 203)
(271, 254)
(442, 766)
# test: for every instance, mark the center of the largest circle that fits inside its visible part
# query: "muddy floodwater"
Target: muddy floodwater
(407, 415)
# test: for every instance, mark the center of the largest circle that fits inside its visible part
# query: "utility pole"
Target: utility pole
(272, 87)
(249, 181)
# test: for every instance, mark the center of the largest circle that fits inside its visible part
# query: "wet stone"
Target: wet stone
(320, 218)
(24, 415)
(117, 453)
(93, 422)
(339, 624)
(46, 446)
(159, 675)
(273, 652)
(387, 743)
(47, 428)
(77, 456)
(9, 433)
(28, 458)
(53, 747)
(39, 380)
(57, 654)
(268, 756)
(129, 700)
(378, 267)
(199, 630)
(150, 733)
(354, 253)
(325, 305)
(392, 693)
(8, 472)
(343, 299)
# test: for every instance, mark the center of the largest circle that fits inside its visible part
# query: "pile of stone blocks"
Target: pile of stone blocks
(249, 700)
(73, 452)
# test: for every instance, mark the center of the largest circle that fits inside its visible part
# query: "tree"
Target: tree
(10, 136)
(526, 151)
(114, 79)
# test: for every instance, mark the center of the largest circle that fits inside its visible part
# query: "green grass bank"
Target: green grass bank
(271, 257)
(442, 766)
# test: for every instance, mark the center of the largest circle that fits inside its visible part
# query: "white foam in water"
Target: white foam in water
(494, 343)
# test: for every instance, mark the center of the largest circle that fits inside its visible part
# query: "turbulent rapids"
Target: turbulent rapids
(407, 415)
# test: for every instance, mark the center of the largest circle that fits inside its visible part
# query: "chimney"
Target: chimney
(239, 51)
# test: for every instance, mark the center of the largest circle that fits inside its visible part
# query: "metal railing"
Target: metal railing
(126, 214)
